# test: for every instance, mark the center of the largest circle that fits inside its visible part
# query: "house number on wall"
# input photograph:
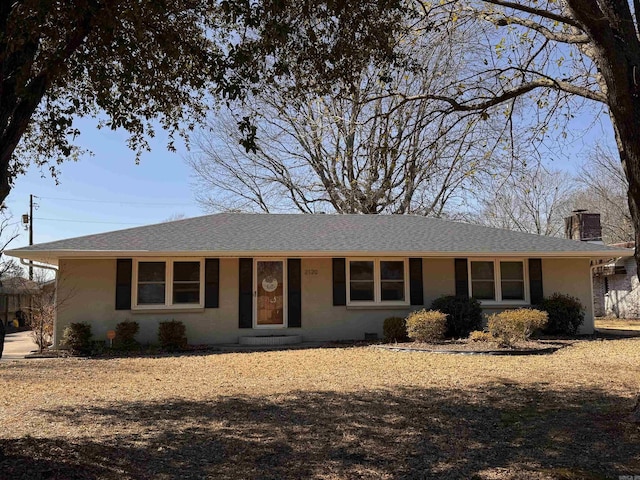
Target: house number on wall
(311, 271)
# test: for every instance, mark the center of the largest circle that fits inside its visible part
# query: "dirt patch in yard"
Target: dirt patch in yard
(337, 413)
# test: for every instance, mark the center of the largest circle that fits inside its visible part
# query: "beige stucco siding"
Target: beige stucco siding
(86, 293)
(89, 289)
(571, 277)
(438, 278)
(323, 321)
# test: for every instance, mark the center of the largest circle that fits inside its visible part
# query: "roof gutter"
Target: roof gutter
(31, 264)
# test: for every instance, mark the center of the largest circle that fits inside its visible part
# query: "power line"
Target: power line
(83, 221)
(148, 204)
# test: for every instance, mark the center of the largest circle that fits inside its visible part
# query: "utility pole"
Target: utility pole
(30, 234)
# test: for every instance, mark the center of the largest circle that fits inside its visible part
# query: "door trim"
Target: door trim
(285, 299)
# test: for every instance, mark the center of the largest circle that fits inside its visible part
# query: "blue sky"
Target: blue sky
(107, 191)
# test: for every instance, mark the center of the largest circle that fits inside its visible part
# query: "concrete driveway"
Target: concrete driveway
(17, 345)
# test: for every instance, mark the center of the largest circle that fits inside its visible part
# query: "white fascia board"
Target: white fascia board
(52, 256)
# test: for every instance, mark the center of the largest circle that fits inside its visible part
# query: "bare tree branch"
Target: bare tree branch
(502, 20)
(536, 11)
(507, 95)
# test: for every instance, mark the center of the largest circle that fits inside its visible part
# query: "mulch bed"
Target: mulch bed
(466, 346)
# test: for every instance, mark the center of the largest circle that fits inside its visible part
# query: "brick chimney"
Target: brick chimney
(583, 226)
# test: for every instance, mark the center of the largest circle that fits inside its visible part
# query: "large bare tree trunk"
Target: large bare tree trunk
(616, 50)
(630, 158)
(625, 113)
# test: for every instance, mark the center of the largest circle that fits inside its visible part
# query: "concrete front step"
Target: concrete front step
(269, 340)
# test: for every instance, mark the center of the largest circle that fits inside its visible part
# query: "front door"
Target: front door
(270, 293)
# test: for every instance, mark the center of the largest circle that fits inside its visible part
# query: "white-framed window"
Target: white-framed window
(168, 283)
(499, 280)
(377, 281)
(152, 283)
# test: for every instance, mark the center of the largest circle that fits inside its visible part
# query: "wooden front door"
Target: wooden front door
(270, 293)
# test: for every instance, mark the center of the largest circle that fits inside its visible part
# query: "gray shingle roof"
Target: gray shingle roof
(254, 233)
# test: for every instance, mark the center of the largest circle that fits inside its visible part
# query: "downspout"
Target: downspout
(55, 295)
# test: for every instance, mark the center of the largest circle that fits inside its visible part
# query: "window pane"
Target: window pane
(151, 294)
(511, 271)
(482, 271)
(151, 271)
(391, 270)
(483, 290)
(513, 290)
(361, 270)
(392, 291)
(362, 291)
(186, 271)
(186, 292)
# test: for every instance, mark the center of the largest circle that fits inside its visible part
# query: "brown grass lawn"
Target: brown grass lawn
(338, 413)
(618, 324)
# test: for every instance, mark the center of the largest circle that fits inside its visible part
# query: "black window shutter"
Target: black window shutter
(462, 277)
(294, 292)
(124, 267)
(211, 283)
(245, 306)
(535, 280)
(339, 281)
(416, 291)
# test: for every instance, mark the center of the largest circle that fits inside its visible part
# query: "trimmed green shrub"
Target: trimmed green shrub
(463, 314)
(395, 329)
(77, 338)
(480, 336)
(566, 314)
(125, 335)
(172, 336)
(513, 326)
(426, 325)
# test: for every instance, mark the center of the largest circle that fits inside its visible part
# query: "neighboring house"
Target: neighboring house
(616, 288)
(324, 277)
(15, 298)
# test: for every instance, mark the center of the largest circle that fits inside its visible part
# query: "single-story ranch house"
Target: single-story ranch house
(324, 277)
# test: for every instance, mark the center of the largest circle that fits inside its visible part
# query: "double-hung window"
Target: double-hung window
(377, 281)
(152, 278)
(483, 280)
(168, 283)
(392, 284)
(512, 280)
(186, 282)
(362, 280)
(498, 280)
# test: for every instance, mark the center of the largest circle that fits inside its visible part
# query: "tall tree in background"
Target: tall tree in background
(533, 200)
(8, 233)
(536, 200)
(356, 149)
(603, 189)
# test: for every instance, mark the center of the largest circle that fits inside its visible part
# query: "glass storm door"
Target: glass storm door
(270, 292)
